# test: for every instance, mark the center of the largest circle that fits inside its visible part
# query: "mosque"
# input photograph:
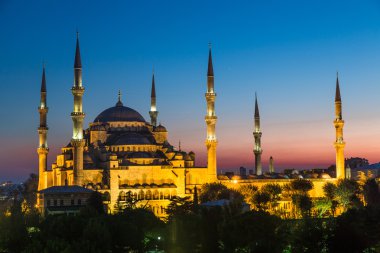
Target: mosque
(121, 155)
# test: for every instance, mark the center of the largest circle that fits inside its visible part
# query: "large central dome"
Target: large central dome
(119, 113)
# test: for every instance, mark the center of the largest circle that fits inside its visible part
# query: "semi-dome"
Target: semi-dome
(131, 138)
(119, 113)
(160, 128)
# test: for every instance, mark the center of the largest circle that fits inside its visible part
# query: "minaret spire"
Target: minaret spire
(210, 69)
(211, 141)
(271, 165)
(339, 143)
(257, 135)
(77, 116)
(119, 103)
(42, 149)
(337, 91)
(153, 108)
(77, 61)
(43, 82)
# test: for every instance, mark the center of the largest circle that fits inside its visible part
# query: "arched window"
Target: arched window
(122, 196)
(156, 195)
(167, 194)
(106, 196)
(141, 195)
(148, 195)
(173, 193)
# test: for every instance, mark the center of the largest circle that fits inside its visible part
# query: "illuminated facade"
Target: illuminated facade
(257, 135)
(339, 142)
(121, 155)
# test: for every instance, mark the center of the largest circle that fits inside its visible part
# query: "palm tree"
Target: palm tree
(347, 193)
(248, 191)
(274, 191)
(329, 190)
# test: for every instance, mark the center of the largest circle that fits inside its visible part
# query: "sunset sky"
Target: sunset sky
(287, 51)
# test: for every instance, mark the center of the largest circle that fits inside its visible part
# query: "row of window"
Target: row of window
(158, 210)
(147, 195)
(135, 149)
(61, 202)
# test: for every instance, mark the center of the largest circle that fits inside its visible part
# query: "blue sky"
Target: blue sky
(287, 51)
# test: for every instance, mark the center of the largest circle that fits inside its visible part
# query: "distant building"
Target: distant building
(243, 171)
(372, 171)
(356, 162)
(63, 199)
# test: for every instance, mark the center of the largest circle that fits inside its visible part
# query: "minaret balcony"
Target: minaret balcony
(42, 129)
(212, 117)
(210, 96)
(78, 142)
(77, 88)
(78, 114)
(43, 109)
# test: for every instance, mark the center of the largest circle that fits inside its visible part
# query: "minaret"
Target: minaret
(257, 134)
(153, 109)
(42, 149)
(339, 142)
(78, 116)
(348, 171)
(271, 165)
(211, 119)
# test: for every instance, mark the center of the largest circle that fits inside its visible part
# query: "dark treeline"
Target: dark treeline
(192, 227)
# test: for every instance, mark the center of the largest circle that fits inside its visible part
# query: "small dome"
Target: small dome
(87, 158)
(131, 138)
(325, 176)
(160, 128)
(139, 155)
(119, 113)
(188, 157)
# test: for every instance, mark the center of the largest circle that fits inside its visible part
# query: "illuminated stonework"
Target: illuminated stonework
(122, 155)
(257, 135)
(211, 119)
(339, 142)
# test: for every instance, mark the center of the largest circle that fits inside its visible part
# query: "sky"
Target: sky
(286, 51)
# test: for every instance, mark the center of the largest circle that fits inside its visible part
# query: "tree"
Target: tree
(309, 235)
(329, 190)
(218, 191)
(357, 230)
(346, 193)
(195, 198)
(130, 202)
(371, 193)
(95, 202)
(248, 191)
(298, 191)
(29, 192)
(274, 191)
(183, 225)
(253, 231)
(261, 200)
(301, 186)
(322, 205)
(179, 207)
(13, 231)
(303, 203)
